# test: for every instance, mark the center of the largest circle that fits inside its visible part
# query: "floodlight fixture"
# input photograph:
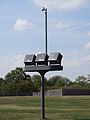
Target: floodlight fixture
(55, 58)
(29, 60)
(42, 59)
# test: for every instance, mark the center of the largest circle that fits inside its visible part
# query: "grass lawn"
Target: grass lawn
(57, 108)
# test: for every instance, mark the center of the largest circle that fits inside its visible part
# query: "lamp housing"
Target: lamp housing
(29, 60)
(42, 59)
(55, 58)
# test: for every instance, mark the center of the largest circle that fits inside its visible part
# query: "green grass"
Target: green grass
(57, 108)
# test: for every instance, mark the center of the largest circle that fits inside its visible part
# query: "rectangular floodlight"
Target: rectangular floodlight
(55, 58)
(29, 60)
(42, 59)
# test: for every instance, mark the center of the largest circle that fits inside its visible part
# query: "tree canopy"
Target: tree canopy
(18, 83)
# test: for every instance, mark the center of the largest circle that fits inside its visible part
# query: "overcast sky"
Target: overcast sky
(22, 32)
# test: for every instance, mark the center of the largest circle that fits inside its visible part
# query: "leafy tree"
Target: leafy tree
(52, 81)
(88, 78)
(17, 81)
(15, 75)
(81, 82)
(3, 88)
(36, 79)
(58, 82)
(24, 87)
(1, 80)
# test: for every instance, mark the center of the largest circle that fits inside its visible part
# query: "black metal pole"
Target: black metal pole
(46, 30)
(42, 97)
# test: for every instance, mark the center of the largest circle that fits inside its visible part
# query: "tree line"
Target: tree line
(17, 83)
